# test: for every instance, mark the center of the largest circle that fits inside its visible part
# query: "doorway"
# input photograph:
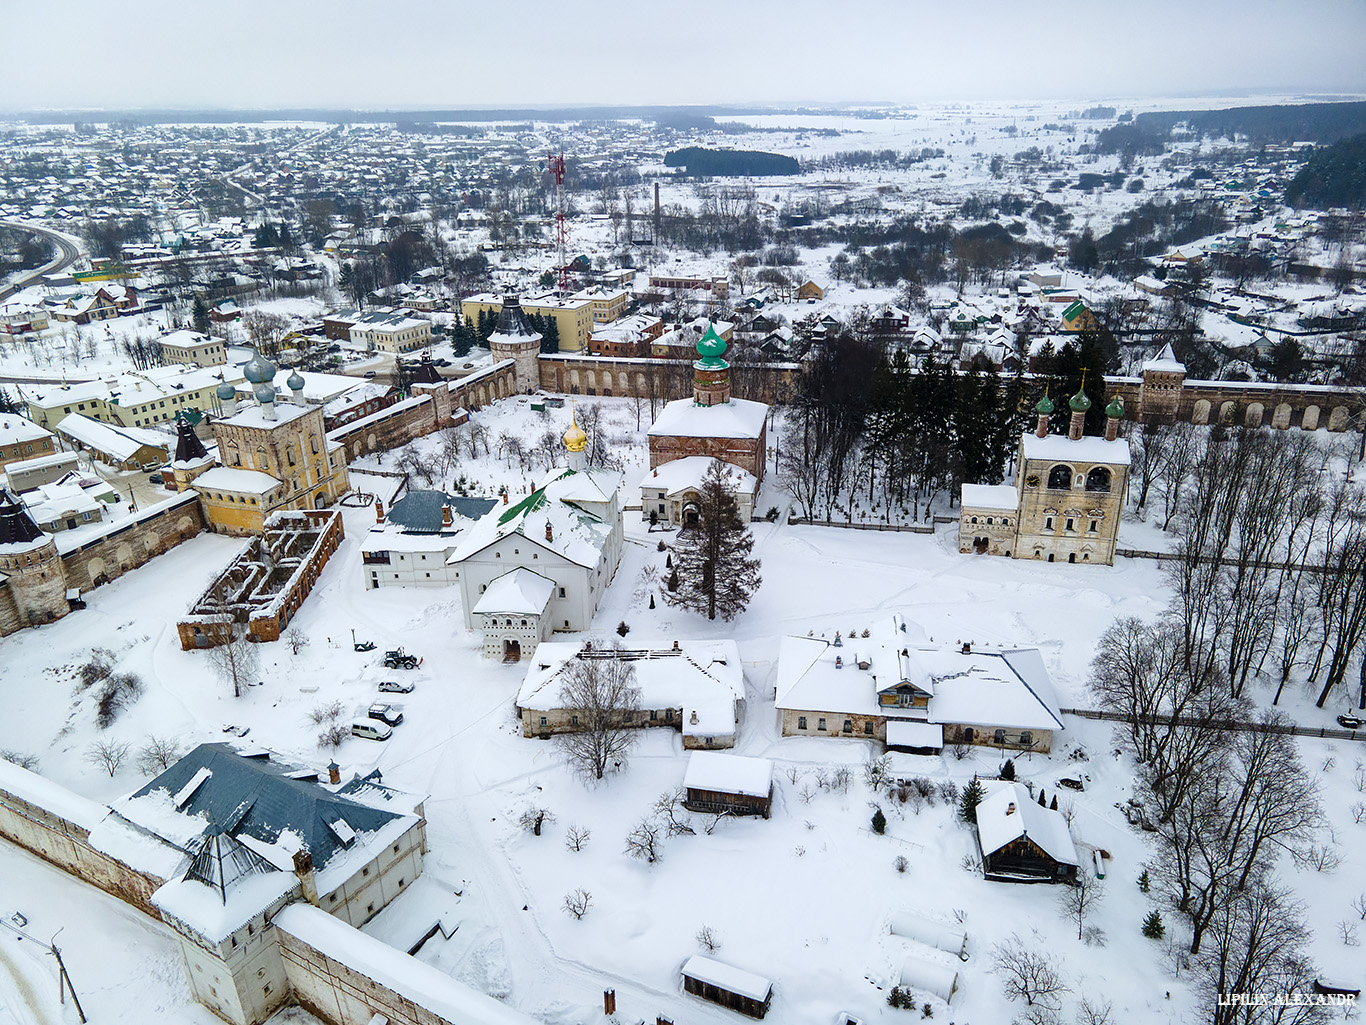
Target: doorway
(512, 651)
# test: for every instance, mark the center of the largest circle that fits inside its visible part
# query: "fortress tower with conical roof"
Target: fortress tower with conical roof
(514, 338)
(32, 584)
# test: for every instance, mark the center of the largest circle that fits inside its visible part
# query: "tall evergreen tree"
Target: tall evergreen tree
(712, 561)
(200, 314)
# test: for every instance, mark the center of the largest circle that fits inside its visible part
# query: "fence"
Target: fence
(912, 528)
(1291, 730)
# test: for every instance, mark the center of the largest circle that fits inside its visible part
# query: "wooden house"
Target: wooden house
(1021, 841)
(719, 783)
(727, 985)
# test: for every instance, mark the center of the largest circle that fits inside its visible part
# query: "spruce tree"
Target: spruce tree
(879, 822)
(1145, 883)
(1153, 927)
(973, 794)
(550, 336)
(712, 561)
(200, 313)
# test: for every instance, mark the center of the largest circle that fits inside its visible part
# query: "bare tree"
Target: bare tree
(158, 754)
(236, 661)
(646, 841)
(1027, 972)
(1080, 899)
(578, 903)
(708, 940)
(600, 689)
(1098, 1012)
(533, 819)
(576, 837)
(108, 755)
(669, 808)
(297, 639)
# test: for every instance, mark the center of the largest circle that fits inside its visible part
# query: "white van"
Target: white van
(371, 729)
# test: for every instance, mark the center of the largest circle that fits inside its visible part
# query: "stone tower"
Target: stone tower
(1159, 397)
(711, 373)
(35, 587)
(515, 339)
(191, 458)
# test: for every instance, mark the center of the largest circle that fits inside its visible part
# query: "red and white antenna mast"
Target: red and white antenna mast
(556, 164)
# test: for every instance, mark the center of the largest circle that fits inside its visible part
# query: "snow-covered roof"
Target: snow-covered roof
(727, 977)
(1165, 362)
(1008, 813)
(684, 418)
(232, 478)
(518, 592)
(1058, 448)
(729, 774)
(990, 496)
(576, 533)
(678, 475)
(906, 733)
(701, 676)
(427, 987)
(255, 415)
(111, 439)
(16, 429)
(1005, 688)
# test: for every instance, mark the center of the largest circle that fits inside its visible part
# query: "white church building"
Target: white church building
(542, 564)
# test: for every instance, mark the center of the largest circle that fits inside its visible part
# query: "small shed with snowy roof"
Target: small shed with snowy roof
(727, 784)
(727, 985)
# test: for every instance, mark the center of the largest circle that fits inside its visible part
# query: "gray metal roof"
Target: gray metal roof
(256, 795)
(419, 512)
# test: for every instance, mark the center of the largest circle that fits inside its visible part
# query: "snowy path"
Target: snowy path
(19, 1003)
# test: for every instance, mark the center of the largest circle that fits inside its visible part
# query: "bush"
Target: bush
(333, 736)
(24, 761)
(116, 693)
(623, 629)
(901, 864)
(1008, 770)
(772, 514)
(879, 822)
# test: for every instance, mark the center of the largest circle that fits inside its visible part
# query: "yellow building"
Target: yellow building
(608, 303)
(190, 347)
(139, 398)
(274, 456)
(573, 317)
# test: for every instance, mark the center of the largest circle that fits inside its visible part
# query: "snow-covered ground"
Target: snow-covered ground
(802, 898)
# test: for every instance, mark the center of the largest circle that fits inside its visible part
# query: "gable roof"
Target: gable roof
(1009, 813)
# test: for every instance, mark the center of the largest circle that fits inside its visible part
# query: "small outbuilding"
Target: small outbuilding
(727, 985)
(1022, 841)
(729, 784)
(929, 977)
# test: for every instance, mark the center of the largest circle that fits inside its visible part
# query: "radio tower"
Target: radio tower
(561, 223)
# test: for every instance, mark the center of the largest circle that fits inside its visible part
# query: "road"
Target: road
(68, 252)
(1324, 732)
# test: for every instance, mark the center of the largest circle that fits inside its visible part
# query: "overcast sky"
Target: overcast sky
(394, 54)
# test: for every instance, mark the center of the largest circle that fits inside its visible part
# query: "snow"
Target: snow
(232, 478)
(679, 474)
(255, 415)
(33, 788)
(520, 591)
(904, 733)
(727, 977)
(990, 496)
(729, 774)
(15, 429)
(203, 909)
(114, 439)
(393, 969)
(1008, 812)
(929, 977)
(187, 791)
(1087, 449)
(159, 814)
(684, 418)
(939, 935)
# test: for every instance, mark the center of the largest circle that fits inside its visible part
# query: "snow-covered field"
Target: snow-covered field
(803, 898)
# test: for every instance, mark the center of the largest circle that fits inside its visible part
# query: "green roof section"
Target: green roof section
(1045, 406)
(711, 347)
(532, 502)
(1074, 310)
(1080, 402)
(1115, 410)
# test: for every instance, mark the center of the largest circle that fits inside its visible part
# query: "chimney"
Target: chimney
(303, 868)
(693, 720)
(446, 520)
(609, 1001)
(549, 531)
(656, 472)
(839, 662)
(505, 498)
(333, 772)
(379, 510)
(1010, 808)
(676, 646)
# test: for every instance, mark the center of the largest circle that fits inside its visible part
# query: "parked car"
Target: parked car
(400, 659)
(395, 687)
(1351, 722)
(387, 714)
(154, 478)
(369, 729)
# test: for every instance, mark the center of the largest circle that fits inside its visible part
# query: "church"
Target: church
(541, 564)
(1066, 500)
(690, 434)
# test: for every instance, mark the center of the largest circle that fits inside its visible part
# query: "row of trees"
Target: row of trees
(865, 432)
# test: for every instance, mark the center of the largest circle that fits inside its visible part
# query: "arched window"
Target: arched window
(1098, 479)
(999, 737)
(1060, 478)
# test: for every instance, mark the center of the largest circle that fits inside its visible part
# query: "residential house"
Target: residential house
(1020, 840)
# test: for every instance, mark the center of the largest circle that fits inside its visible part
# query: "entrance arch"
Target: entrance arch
(512, 651)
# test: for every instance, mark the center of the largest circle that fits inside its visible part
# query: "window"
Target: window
(573, 720)
(1098, 479)
(251, 929)
(331, 898)
(668, 715)
(868, 727)
(369, 909)
(265, 990)
(653, 715)
(999, 737)
(543, 722)
(562, 595)
(1048, 523)
(1060, 478)
(1093, 526)
(801, 722)
(848, 725)
(820, 723)
(395, 848)
(1026, 738)
(365, 871)
(1069, 523)
(974, 519)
